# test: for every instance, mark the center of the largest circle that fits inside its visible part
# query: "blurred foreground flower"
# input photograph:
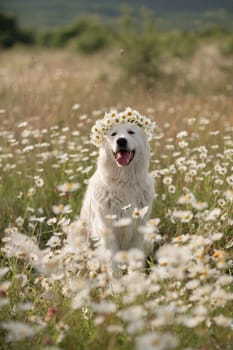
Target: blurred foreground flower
(76, 106)
(61, 209)
(156, 341)
(54, 242)
(17, 330)
(68, 187)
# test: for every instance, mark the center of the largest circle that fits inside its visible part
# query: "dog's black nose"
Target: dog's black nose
(122, 142)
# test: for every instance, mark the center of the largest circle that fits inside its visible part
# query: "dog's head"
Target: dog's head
(126, 145)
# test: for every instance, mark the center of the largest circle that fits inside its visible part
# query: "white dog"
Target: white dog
(120, 184)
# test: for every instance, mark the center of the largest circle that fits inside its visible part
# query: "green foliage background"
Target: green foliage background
(144, 47)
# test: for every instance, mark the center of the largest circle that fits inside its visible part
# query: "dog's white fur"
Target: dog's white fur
(112, 188)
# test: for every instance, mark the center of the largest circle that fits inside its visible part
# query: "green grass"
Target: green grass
(50, 148)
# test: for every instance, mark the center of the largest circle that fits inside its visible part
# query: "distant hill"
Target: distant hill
(170, 13)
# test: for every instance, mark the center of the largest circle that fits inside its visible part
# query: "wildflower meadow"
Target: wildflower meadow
(71, 300)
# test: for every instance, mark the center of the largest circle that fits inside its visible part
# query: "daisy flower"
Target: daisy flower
(61, 209)
(140, 212)
(68, 187)
(17, 331)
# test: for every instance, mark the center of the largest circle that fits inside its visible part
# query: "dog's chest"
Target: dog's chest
(123, 201)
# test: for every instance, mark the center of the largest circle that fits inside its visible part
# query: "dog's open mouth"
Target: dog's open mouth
(124, 157)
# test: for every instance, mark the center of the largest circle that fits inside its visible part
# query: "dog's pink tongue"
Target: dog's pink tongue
(124, 157)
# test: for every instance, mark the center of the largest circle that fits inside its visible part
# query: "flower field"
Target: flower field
(49, 101)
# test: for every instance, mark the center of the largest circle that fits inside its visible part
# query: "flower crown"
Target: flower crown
(101, 127)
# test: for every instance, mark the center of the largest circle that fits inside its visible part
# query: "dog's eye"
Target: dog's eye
(113, 134)
(131, 132)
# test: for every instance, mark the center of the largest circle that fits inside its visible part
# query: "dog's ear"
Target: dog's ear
(106, 160)
(146, 144)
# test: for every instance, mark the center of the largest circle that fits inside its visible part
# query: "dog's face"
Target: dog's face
(127, 144)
